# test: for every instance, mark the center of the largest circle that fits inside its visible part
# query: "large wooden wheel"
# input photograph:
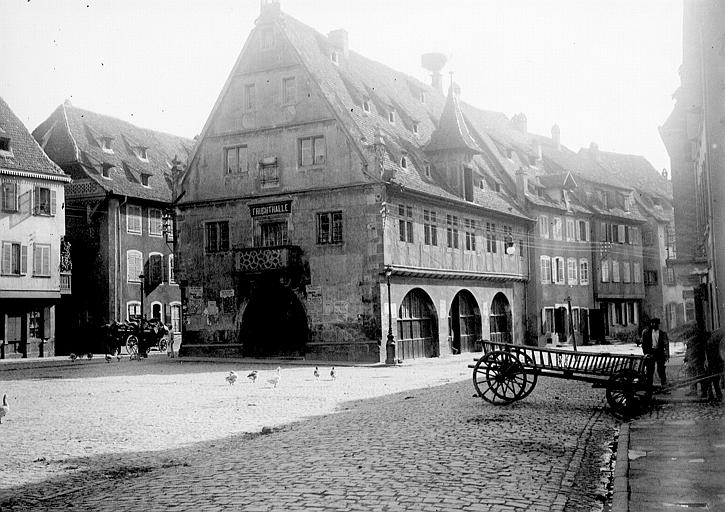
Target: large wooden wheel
(499, 377)
(532, 375)
(132, 346)
(622, 393)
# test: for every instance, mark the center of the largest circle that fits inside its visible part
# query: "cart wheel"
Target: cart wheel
(132, 346)
(499, 377)
(532, 376)
(622, 393)
(162, 344)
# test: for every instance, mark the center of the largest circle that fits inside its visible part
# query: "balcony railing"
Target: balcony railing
(261, 259)
(65, 282)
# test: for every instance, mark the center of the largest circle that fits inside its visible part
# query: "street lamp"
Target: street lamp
(571, 323)
(390, 345)
(140, 322)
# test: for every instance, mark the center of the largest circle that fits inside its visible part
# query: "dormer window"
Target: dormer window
(366, 106)
(391, 117)
(142, 153)
(422, 97)
(509, 153)
(334, 57)
(106, 171)
(482, 184)
(145, 179)
(427, 170)
(5, 144)
(415, 128)
(106, 144)
(267, 39)
(496, 187)
(404, 162)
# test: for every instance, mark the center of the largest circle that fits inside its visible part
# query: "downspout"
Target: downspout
(117, 234)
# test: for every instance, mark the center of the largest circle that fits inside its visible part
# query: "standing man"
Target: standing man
(657, 344)
(713, 354)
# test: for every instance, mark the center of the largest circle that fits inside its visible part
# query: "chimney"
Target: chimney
(522, 183)
(269, 9)
(434, 62)
(556, 136)
(520, 123)
(665, 174)
(594, 150)
(339, 40)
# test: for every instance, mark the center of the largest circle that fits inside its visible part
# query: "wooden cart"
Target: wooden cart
(507, 373)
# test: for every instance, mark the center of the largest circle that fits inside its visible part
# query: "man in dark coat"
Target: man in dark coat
(714, 358)
(656, 343)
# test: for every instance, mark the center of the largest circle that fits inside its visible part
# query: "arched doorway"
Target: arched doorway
(417, 326)
(464, 322)
(274, 323)
(500, 319)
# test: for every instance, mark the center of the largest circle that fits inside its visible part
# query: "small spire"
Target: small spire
(452, 131)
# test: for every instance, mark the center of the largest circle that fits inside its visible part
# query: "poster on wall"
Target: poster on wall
(195, 299)
(227, 301)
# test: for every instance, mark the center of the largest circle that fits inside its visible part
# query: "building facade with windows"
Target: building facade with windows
(118, 218)
(35, 269)
(320, 177)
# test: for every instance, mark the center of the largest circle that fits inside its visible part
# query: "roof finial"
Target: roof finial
(450, 86)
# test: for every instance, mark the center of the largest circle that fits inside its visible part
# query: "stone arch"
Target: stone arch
(500, 319)
(417, 326)
(464, 322)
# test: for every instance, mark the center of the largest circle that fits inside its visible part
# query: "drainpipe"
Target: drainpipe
(117, 272)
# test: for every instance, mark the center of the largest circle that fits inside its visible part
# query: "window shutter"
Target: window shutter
(164, 272)
(46, 261)
(6, 259)
(603, 232)
(37, 259)
(46, 322)
(23, 259)
(36, 200)
(52, 202)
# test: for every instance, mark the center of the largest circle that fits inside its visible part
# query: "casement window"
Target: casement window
(544, 226)
(415, 128)
(571, 271)
(547, 320)
(637, 271)
(621, 235)
(648, 237)
(133, 219)
(405, 223)
(391, 116)
(266, 38)
(329, 228)
(669, 274)
(41, 260)
(430, 229)
(427, 170)
(134, 266)
(626, 272)
(468, 184)
(133, 310)
(172, 270)
(421, 97)
(556, 235)
(366, 106)
(156, 268)
(650, 277)
(583, 271)
(452, 231)
(545, 264)
(557, 270)
(583, 231)
(570, 231)
(274, 233)
(404, 162)
(289, 91)
(469, 227)
(43, 201)
(334, 57)
(236, 160)
(9, 197)
(605, 271)
(175, 308)
(635, 236)
(491, 238)
(250, 100)
(615, 271)
(156, 225)
(216, 236)
(14, 259)
(5, 145)
(106, 144)
(311, 151)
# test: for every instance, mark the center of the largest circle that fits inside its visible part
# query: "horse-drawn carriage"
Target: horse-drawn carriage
(139, 336)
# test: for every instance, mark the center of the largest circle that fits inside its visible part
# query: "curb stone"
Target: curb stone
(620, 499)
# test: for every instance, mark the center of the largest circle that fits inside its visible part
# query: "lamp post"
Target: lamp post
(140, 323)
(390, 345)
(571, 323)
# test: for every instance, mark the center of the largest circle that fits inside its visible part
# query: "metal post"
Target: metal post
(141, 277)
(390, 345)
(571, 323)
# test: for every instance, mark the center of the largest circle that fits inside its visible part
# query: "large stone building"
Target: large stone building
(35, 268)
(123, 178)
(694, 135)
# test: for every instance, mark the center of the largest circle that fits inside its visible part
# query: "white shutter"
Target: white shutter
(36, 200)
(46, 260)
(23, 259)
(37, 259)
(7, 258)
(52, 202)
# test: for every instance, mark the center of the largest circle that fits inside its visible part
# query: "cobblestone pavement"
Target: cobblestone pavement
(160, 435)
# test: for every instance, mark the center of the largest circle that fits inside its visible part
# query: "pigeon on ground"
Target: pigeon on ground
(253, 375)
(317, 373)
(275, 380)
(231, 378)
(73, 357)
(5, 408)
(333, 373)
(108, 358)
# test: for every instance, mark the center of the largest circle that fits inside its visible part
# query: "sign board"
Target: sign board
(195, 299)
(211, 308)
(313, 292)
(260, 210)
(226, 293)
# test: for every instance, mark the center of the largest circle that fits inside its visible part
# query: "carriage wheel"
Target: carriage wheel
(499, 377)
(132, 346)
(531, 376)
(162, 344)
(622, 393)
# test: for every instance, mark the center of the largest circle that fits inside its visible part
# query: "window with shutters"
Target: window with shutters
(583, 271)
(557, 270)
(43, 201)
(544, 226)
(289, 91)
(236, 160)
(156, 225)
(329, 228)
(405, 223)
(14, 259)
(452, 231)
(570, 231)
(469, 226)
(615, 271)
(9, 197)
(216, 236)
(583, 231)
(172, 270)
(556, 235)
(621, 234)
(626, 272)
(133, 219)
(41, 260)
(545, 262)
(175, 316)
(133, 310)
(430, 230)
(491, 238)
(650, 277)
(134, 266)
(155, 271)
(571, 270)
(637, 271)
(311, 151)
(605, 271)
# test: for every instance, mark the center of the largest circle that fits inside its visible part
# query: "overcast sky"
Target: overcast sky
(604, 71)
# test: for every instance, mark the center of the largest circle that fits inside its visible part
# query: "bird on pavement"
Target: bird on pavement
(275, 380)
(108, 358)
(5, 408)
(73, 357)
(89, 355)
(231, 378)
(253, 375)
(317, 373)
(333, 373)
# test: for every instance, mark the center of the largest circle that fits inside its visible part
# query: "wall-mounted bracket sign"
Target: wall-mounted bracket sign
(260, 210)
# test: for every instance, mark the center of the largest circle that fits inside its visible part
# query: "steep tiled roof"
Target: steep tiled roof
(636, 171)
(25, 155)
(73, 136)
(452, 131)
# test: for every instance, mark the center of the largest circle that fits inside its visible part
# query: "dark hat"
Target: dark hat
(654, 321)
